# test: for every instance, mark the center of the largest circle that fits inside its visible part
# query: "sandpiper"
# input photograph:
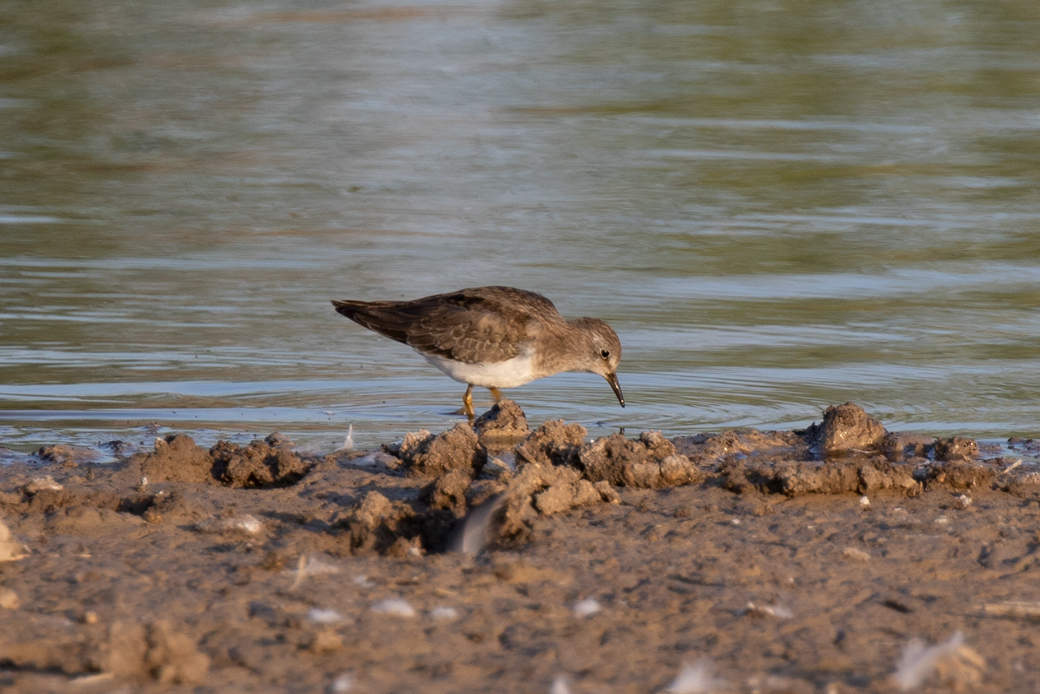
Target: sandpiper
(494, 337)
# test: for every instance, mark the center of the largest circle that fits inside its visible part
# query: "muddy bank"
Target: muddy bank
(501, 557)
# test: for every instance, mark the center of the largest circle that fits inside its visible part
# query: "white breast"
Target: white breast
(504, 374)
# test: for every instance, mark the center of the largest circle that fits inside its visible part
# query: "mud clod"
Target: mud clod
(172, 658)
(845, 429)
(546, 490)
(836, 477)
(67, 456)
(879, 474)
(376, 525)
(120, 449)
(427, 455)
(154, 650)
(900, 447)
(448, 492)
(741, 442)
(607, 492)
(504, 420)
(959, 475)
(954, 448)
(564, 495)
(278, 440)
(257, 465)
(553, 443)
(649, 462)
(267, 463)
(173, 506)
(175, 459)
(537, 489)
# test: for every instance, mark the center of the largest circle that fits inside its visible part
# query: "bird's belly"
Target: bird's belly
(503, 374)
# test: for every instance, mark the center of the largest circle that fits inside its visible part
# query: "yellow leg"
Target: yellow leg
(467, 401)
(497, 393)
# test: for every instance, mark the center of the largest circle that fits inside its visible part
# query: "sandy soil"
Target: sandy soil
(841, 558)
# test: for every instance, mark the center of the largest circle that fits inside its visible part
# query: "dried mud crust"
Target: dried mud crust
(267, 463)
(424, 454)
(192, 566)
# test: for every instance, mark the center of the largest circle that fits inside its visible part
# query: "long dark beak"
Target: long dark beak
(612, 380)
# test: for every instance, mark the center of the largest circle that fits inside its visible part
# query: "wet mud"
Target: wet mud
(504, 558)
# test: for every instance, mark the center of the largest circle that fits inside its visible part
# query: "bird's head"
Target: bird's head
(604, 352)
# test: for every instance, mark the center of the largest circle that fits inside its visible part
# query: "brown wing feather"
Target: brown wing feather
(379, 316)
(469, 335)
(470, 325)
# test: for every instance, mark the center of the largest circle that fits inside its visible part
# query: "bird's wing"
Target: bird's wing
(470, 325)
(473, 326)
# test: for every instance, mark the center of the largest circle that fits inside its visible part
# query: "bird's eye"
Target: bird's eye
(605, 354)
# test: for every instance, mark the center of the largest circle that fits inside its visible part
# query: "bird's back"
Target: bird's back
(479, 324)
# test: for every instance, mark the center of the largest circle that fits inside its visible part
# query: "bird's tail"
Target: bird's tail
(378, 316)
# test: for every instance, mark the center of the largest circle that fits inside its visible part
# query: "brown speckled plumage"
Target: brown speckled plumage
(488, 326)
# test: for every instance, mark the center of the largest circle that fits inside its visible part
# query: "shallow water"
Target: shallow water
(779, 206)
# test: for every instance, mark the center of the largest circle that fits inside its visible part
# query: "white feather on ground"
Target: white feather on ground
(343, 683)
(9, 549)
(321, 616)
(446, 614)
(955, 662)
(472, 535)
(245, 524)
(398, 607)
(586, 607)
(698, 678)
(560, 686)
(348, 443)
(311, 566)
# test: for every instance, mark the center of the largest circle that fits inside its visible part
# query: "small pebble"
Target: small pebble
(9, 599)
(325, 641)
(864, 502)
(854, 554)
